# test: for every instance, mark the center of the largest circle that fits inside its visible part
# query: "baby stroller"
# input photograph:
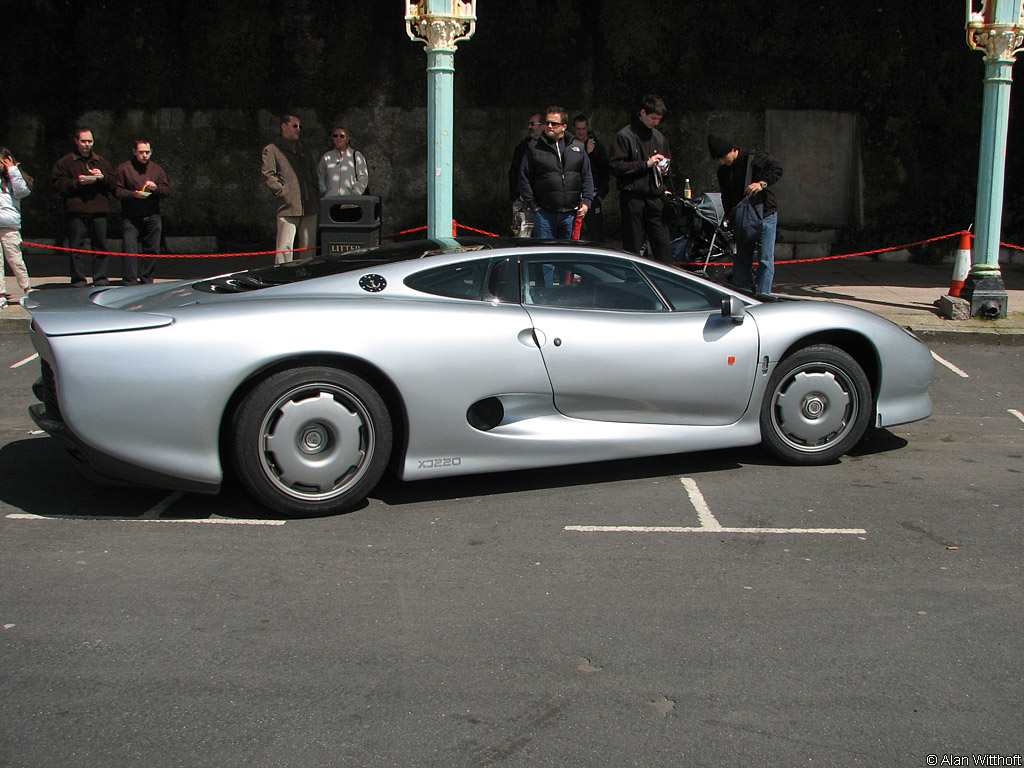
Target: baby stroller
(700, 243)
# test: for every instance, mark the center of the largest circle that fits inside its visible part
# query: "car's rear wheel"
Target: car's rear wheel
(311, 441)
(817, 406)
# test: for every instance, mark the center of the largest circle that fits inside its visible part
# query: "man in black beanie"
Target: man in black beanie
(735, 184)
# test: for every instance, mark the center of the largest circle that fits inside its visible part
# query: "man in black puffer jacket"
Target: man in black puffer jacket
(555, 178)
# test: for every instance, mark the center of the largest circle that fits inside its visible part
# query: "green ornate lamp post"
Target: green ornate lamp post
(440, 24)
(998, 31)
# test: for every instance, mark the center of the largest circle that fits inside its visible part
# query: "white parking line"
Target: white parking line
(708, 523)
(1016, 413)
(208, 520)
(25, 361)
(951, 367)
(684, 529)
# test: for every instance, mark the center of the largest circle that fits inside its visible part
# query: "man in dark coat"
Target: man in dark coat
(522, 214)
(641, 161)
(141, 184)
(85, 181)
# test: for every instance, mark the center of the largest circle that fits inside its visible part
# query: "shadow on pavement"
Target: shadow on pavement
(40, 479)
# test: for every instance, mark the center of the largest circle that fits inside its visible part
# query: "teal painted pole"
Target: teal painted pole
(998, 31)
(440, 142)
(440, 24)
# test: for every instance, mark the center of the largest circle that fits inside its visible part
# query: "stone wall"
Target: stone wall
(212, 159)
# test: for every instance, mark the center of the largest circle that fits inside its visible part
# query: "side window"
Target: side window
(683, 294)
(457, 281)
(503, 282)
(587, 283)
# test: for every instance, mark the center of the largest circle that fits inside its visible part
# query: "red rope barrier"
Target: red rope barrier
(489, 234)
(163, 255)
(843, 255)
(478, 231)
(404, 232)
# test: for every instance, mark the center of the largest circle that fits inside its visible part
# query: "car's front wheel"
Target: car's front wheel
(311, 441)
(817, 406)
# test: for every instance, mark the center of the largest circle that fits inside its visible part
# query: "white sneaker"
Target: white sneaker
(3, 302)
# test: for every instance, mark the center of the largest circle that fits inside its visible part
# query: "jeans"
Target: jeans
(134, 269)
(741, 274)
(93, 226)
(553, 224)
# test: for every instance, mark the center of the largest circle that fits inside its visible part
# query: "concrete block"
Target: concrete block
(197, 244)
(784, 251)
(954, 308)
(900, 256)
(813, 250)
(789, 235)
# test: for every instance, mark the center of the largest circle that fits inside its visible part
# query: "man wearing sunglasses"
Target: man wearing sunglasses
(555, 178)
(289, 172)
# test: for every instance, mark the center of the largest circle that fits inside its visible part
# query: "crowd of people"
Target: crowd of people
(558, 182)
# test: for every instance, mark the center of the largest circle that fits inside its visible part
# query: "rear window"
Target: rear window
(325, 266)
(457, 281)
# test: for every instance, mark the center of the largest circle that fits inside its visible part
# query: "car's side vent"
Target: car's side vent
(485, 414)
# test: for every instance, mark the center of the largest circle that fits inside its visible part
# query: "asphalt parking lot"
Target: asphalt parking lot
(707, 609)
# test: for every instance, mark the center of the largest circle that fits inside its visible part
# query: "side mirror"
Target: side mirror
(734, 309)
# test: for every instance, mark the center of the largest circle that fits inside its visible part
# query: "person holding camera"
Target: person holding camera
(14, 187)
(641, 161)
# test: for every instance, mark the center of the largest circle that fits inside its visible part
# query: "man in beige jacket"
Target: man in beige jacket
(289, 171)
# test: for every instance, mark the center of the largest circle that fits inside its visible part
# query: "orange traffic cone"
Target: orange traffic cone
(962, 266)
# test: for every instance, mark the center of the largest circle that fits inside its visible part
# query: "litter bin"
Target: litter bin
(349, 222)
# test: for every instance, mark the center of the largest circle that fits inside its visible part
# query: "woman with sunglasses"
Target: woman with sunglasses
(342, 171)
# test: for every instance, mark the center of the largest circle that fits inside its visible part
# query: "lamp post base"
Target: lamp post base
(987, 295)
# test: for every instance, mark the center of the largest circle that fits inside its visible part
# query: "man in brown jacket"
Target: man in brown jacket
(289, 171)
(85, 181)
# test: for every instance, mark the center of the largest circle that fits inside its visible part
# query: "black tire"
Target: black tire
(817, 406)
(311, 441)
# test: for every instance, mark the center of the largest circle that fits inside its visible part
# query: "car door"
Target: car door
(637, 344)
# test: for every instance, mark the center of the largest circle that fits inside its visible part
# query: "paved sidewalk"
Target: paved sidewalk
(904, 292)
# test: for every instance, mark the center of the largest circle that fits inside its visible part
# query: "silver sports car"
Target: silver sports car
(308, 379)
